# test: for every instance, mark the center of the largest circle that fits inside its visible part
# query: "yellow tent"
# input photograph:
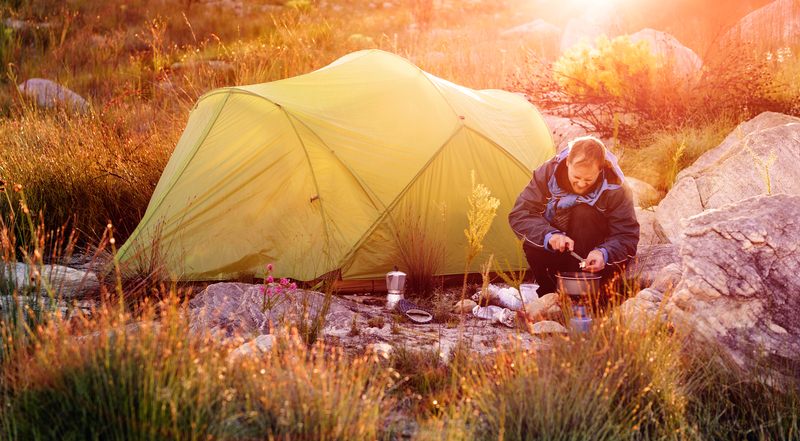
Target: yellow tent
(318, 172)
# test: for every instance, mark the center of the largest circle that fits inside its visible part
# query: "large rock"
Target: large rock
(649, 262)
(49, 94)
(564, 130)
(645, 309)
(600, 19)
(647, 232)
(539, 35)
(670, 51)
(644, 194)
(235, 309)
(735, 171)
(546, 308)
(65, 282)
(741, 281)
(774, 26)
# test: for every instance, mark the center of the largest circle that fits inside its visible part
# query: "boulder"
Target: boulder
(641, 311)
(49, 94)
(741, 282)
(464, 306)
(65, 282)
(599, 19)
(546, 307)
(547, 328)
(734, 171)
(668, 50)
(644, 194)
(539, 35)
(649, 262)
(564, 130)
(647, 232)
(255, 348)
(773, 26)
(238, 309)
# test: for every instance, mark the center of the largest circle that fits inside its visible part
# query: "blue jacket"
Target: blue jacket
(532, 215)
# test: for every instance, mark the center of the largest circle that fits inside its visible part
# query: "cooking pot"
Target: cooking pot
(578, 284)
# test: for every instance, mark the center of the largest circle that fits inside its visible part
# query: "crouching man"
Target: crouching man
(577, 201)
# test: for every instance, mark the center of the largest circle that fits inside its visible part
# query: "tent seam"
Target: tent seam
(178, 173)
(396, 200)
(391, 206)
(313, 177)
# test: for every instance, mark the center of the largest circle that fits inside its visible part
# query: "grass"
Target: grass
(124, 373)
(658, 157)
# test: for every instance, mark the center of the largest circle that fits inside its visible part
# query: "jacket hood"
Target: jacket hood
(611, 159)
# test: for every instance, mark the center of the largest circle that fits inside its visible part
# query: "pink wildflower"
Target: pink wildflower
(261, 289)
(270, 279)
(270, 267)
(279, 289)
(284, 281)
(293, 286)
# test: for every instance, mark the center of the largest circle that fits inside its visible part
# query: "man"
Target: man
(577, 201)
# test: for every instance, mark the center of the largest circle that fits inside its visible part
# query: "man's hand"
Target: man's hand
(558, 242)
(594, 261)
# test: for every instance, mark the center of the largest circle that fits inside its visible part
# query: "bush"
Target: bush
(624, 91)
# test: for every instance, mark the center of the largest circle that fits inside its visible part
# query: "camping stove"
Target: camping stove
(395, 281)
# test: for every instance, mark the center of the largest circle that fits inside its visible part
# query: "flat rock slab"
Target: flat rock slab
(235, 309)
(240, 309)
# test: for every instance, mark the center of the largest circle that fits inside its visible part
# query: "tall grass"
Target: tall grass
(113, 377)
(658, 157)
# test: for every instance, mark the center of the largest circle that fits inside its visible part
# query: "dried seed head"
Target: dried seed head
(18, 188)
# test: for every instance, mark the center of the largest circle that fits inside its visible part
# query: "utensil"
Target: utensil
(580, 259)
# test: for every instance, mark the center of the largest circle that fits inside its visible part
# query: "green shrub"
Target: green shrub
(624, 91)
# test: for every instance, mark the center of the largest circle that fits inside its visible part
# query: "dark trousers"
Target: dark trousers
(588, 227)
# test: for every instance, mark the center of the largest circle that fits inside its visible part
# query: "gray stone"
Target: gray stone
(647, 232)
(235, 309)
(645, 309)
(735, 171)
(599, 19)
(681, 202)
(546, 308)
(464, 306)
(644, 194)
(741, 281)
(65, 282)
(49, 94)
(773, 26)
(256, 348)
(669, 51)
(539, 35)
(649, 262)
(564, 130)
(548, 327)
(668, 278)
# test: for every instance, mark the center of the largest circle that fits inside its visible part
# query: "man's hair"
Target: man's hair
(587, 150)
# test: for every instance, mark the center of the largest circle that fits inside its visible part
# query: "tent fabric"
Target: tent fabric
(326, 171)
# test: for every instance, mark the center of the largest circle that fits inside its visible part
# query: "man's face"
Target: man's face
(582, 176)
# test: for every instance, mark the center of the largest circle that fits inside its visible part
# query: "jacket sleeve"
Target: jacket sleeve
(527, 216)
(623, 227)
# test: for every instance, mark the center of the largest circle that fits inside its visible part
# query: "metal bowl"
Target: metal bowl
(578, 284)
